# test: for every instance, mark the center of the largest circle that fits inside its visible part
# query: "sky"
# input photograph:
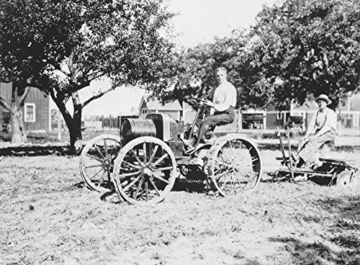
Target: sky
(197, 21)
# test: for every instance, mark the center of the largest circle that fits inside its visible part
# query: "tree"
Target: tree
(312, 46)
(296, 49)
(22, 55)
(239, 53)
(124, 40)
(196, 67)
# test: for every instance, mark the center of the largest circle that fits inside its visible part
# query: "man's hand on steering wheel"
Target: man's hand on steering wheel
(209, 103)
(201, 101)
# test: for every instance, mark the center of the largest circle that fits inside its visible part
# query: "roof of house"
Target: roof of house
(130, 112)
(155, 104)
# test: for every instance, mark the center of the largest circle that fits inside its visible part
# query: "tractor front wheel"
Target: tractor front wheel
(144, 171)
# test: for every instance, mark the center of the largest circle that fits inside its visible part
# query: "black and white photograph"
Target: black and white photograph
(179, 132)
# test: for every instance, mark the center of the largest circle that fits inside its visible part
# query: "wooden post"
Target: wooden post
(264, 119)
(239, 122)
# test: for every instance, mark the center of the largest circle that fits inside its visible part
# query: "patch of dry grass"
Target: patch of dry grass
(46, 218)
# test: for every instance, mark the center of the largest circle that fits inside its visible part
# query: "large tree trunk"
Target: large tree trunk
(75, 128)
(19, 93)
(17, 126)
(75, 131)
(73, 122)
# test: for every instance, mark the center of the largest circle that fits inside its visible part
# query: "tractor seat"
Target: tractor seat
(210, 132)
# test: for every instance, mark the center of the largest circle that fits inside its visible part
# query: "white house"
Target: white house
(151, 105)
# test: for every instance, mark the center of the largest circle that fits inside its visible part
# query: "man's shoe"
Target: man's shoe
(209, 141)
(187, 142)
(190, 150)
(316, 165)
(295, 158)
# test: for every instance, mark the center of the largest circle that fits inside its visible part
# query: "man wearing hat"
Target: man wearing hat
(322, 129)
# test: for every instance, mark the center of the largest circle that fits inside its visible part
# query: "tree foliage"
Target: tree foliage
(295, 49)
(27, 44)
(77, 42)
(195, 67)
(313, 46)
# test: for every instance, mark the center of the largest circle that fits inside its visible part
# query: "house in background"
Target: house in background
(36, 111)
(151, 105)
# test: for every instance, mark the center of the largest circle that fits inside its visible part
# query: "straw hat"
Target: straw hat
(324, 98)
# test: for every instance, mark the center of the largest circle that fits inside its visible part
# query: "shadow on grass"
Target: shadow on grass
(317, 253)
(197, 186)
(343, 227)
(345, 207)
(38, 151)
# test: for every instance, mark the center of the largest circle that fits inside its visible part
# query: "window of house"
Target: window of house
(144, 111)
(29, 112)
(279, 116)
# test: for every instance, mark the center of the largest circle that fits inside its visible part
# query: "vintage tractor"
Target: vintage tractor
(145, 160)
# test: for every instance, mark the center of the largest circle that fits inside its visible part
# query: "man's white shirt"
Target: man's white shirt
(326, 118)
(224, 96)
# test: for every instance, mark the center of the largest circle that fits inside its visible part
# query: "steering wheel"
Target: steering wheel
(199, 101)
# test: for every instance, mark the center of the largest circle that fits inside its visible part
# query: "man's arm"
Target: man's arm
(311, 127)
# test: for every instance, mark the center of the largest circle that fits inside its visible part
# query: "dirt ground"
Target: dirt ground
(47, 218)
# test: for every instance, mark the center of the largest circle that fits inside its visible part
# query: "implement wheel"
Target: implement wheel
(97, 160)
(344, 178)
(144, 171)
(234, 165)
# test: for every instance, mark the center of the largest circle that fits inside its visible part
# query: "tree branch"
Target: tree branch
(24, 95)
(96, 76)
(61, 71)
(98, 95)
(267, 103)
(4, 104)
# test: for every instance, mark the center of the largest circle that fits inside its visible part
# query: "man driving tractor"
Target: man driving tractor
(222, 108)
(321, 130)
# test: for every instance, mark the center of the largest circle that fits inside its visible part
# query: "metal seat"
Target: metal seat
(326, 149)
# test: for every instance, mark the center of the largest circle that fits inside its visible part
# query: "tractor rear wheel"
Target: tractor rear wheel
(97, 160)
(234, 165)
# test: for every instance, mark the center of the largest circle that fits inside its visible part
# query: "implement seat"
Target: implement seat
(326, 149)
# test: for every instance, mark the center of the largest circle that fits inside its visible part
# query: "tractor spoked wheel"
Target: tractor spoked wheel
(144, 171)
(97, 160)
(234, 165)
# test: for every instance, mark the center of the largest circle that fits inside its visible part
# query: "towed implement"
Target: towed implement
(332, 171)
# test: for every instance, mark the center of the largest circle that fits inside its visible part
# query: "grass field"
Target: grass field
(46, 217)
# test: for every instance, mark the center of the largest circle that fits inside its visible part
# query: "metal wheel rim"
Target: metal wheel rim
(343, 179)
(255, 165)
(96, 162)
(142, 181)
